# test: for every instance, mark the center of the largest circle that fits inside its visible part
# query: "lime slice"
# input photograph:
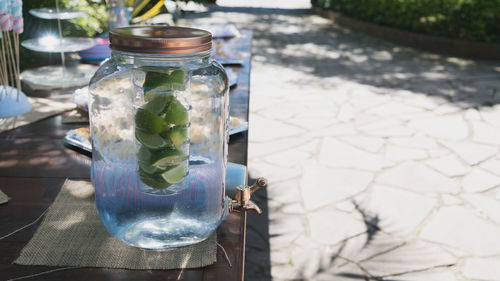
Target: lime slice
(152, 141)
(176, 114)
(176, 174)
(152, 182)
(151, 95)
(157, 103)
(162, 81)
(168, 157)
(154, 80)
(178, 135)
(144, 154)
(150, 169)
(148, 121)
(177, 77)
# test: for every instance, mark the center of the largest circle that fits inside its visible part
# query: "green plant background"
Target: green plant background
(476, 20)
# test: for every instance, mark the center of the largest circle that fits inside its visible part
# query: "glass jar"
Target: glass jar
(159, 111)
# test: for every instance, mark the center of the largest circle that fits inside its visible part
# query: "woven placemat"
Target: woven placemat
(41, 108)
(71, 234)
(76, 116)
(3, 198)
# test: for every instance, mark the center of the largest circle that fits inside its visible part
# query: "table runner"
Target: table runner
(42, 108)
(71, 234)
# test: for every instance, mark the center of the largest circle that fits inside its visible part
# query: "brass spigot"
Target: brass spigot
(243, 193)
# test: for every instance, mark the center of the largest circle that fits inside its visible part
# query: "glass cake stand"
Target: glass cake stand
(54, 76)
(51, 13)
(52, 44)
(57, 76)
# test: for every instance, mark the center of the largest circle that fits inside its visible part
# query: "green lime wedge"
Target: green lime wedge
(150, 169)
(176, 174)
(157, 103)
(144, 154)
(176, 114)
(168, 157)
(154, 80)
(178, 135)
(151, 95)
(157, 183)
(148, 121)
(177, 76)
(163, 81)
(152, 141)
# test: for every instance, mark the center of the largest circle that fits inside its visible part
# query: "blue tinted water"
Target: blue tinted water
(140, 218)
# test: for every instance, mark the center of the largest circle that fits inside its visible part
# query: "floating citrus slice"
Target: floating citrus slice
(157, 81)
(168, 157)
(149, 122)
(150, 169)
(176, 114)
(144, 154)
(157, 103)
(176, 174)
(178, 135)
(152, 141)
(153, 182)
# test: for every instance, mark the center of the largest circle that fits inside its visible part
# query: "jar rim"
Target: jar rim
(160, 39)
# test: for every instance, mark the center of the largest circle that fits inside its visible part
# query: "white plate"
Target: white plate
(80, 138)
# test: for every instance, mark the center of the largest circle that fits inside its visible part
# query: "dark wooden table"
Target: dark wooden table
(34, 162)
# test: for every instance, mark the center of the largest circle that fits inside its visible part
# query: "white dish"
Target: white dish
(80, 138)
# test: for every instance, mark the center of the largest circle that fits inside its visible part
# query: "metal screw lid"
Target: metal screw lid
(160, 39)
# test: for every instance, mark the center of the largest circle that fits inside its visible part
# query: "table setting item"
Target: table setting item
(225, 54)
(141, 120)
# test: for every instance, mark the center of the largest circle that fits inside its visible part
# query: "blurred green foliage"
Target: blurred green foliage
(476, 20)
(94, 21)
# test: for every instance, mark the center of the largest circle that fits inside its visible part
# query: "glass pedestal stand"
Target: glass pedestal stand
(57, 76)
(52, 77)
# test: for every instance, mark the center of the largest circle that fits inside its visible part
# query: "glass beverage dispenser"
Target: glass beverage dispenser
(159, 115)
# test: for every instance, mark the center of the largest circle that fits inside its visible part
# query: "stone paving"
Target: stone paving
(383, 161)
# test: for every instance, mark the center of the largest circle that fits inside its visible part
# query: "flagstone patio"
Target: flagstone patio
(383, 161)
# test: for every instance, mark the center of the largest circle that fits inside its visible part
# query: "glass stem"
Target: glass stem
(60, 34)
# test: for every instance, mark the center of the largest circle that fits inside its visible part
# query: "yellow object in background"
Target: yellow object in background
(149, 14)
(139, 7)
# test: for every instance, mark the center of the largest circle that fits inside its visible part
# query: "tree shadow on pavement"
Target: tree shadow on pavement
(323, 52)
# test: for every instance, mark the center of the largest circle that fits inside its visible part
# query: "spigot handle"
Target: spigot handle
(242, 201)
(258, 184)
